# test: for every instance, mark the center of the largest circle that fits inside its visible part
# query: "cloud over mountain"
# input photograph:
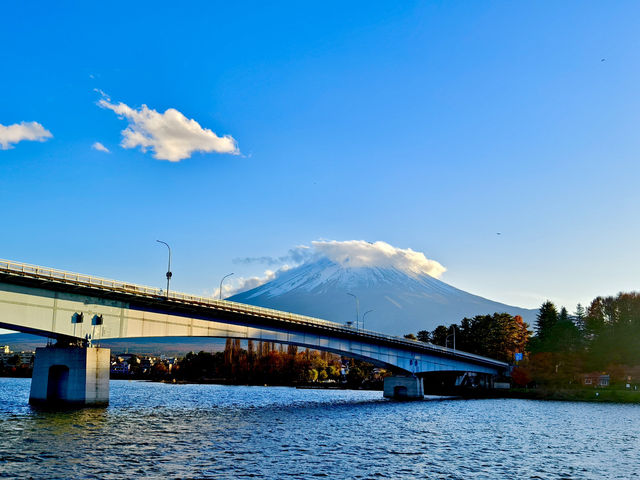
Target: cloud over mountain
(397, 286)
(347, 254)
(358, 253)
(170, 135)
(12, 134)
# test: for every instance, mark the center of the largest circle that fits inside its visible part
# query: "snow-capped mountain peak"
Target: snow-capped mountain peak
(402, 299)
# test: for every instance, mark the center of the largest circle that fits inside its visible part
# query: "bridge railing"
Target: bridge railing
(115, 285)
(52, 274)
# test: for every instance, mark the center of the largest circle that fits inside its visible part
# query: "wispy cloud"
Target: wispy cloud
(242, 284)
(295, 256)
(12, 134)
(100, 147)
(170, 135)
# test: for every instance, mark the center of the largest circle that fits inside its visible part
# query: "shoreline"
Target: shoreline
(598, 395)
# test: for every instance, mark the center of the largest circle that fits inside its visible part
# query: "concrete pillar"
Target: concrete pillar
(403, 388)
(70, 376)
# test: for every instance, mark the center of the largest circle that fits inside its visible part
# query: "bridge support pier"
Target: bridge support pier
(403, 388)
(70, 376)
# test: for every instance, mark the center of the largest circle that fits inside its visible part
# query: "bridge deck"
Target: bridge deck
(52, 279)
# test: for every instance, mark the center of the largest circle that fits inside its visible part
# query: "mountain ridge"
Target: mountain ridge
(402, 300)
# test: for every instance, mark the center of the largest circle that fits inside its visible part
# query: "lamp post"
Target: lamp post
(454, 337)
(227, 275)
(364, 315)
(357, 308)
(169, 274)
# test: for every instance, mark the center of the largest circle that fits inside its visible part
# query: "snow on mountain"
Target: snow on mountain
(403, 300)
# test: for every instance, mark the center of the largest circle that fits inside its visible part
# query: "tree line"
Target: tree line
(268, 363)
(498, 336)
(603, 337)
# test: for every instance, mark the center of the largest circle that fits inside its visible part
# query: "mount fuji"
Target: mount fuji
(402, 300)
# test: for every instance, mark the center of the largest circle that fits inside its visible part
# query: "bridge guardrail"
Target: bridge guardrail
(12, 267)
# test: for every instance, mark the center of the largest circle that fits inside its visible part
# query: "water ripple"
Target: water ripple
(209, 431)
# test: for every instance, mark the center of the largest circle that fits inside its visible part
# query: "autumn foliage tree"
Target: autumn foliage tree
(497, 336)
(259, 364)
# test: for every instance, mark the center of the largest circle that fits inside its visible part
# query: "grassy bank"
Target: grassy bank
(603, 395)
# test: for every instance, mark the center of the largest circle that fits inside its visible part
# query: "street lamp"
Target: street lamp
(357, 308)
(446, 341)
(364, 315)
(227, 275)
(169, 267)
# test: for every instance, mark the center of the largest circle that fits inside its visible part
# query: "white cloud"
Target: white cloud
(242, 284)
(350, 253)
(170, 135)
(18, 132)
(358, 253)
(100, 147)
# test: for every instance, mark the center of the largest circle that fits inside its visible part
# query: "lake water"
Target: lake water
(153, 430)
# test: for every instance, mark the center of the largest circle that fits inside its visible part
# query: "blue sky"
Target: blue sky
(427, 125)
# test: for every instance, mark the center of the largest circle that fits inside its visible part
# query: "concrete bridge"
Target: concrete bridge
(75, 309)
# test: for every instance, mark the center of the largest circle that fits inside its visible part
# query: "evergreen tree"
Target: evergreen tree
(424, 336)
(439, 335)
(546, 319)
(578, 317)
(565, 335)
(595, 321)
(497, 336)
(563, 317)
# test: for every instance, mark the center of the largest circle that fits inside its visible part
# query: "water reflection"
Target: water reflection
(184, 431)
(68, 421)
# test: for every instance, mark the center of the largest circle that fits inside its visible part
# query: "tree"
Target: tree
(497, 336)
(520, 377)
(563, 317)
(312, 375)
(547, 317)
(159, 370)
(612, 330)
(557, 355)
(424, 336)
(579, 316)
(439, 335)
(410, 336)
(565, 335)
(595, 321)
(359, 373)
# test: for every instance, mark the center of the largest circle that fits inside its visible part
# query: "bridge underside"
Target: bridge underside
(49, 314)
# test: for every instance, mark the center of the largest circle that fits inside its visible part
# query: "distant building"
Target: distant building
(146, 363)
(169, 362)
(596, 379)
(128, 357)
(7, 356)
(120, 368)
